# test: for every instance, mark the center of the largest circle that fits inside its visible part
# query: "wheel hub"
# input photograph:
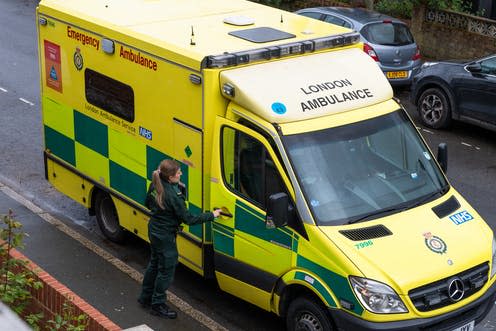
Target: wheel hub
(308, 322)
(432, 108)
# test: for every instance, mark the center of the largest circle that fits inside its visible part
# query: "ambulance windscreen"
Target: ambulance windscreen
(364, 170)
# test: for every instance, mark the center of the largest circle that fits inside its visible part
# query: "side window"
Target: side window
(337, 21)
(489, 66)
(315, 15)
(109, 94)
(248, 168)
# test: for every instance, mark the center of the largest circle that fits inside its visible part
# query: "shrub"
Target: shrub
(16, 281)
(395, 8)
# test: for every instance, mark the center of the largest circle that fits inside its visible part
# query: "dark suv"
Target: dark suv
(459, 90)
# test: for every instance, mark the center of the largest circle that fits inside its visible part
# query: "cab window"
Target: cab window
(247, 167)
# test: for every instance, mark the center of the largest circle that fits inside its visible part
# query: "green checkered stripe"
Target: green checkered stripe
(339, 284)
(108, 156)
(250, 221)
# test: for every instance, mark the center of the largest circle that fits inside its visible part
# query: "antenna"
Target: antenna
(192, 41)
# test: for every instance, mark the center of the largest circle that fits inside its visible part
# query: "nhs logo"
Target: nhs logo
(461, 217)
(145, 133)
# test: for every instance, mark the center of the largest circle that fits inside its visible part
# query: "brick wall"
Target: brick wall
(452, 35)
(51, 297)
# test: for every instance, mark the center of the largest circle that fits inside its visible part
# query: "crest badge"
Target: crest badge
(78, 59)
(434, 243)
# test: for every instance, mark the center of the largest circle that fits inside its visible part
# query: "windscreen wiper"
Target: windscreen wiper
(428, 197)
(374, 214)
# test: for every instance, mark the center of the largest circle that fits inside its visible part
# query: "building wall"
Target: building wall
(452, 35)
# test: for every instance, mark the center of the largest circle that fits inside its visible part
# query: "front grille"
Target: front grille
(435, 295)
(367, 233)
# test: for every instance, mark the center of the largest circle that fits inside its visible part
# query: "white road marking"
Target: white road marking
(428, 131)
(2, 89)
(130, 271)
(26, 101)
(465, 144)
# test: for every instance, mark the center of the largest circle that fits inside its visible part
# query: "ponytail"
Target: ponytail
(157, 184)
(166, 169)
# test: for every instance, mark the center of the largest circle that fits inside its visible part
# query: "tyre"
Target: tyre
(305, 314)
(434, 108)
(107, 218)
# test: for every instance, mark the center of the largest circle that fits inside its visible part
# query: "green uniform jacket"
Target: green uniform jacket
(167, 220)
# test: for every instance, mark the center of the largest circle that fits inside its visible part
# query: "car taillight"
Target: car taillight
(416, 56)
(370, 51)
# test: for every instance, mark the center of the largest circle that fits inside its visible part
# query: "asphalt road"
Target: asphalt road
(471, 169)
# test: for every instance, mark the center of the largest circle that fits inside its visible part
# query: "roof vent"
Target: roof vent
(367, 233)
(239, 20)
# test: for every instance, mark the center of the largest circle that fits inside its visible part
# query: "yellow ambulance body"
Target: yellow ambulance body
(336, 214)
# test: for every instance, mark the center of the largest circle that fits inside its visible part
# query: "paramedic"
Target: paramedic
(168, 209)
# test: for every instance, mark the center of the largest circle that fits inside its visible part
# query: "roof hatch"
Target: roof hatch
(262, 34)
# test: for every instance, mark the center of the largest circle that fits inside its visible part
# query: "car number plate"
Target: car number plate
(396, 74)
(466, 327)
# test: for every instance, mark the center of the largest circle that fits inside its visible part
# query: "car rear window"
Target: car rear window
(388, 34)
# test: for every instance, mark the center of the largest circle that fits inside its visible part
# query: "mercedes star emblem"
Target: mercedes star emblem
(456, 289)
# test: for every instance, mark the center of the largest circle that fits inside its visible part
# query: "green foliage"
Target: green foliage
(68, 321)
(33, 320)
(395, 8)
(403, 8)
(15, 280)
(462, 6)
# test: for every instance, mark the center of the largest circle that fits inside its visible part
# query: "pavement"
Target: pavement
(101, 282)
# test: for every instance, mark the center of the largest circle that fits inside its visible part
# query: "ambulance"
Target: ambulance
(336, 215)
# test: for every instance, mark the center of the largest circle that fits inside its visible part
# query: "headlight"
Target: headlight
(493, 265)
(377, 297)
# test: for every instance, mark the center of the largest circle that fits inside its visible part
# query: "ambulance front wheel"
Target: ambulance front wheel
(107, 218)
(305, 314)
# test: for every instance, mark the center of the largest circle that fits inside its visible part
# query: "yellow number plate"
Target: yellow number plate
(396, 74)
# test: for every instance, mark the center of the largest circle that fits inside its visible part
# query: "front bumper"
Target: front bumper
(474, 311)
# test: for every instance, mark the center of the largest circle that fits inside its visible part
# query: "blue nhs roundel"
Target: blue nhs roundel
(278, 108)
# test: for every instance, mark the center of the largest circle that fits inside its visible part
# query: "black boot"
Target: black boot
(144, 303)
(163, 311)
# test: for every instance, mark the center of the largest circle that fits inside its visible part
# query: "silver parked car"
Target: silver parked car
(386, 39)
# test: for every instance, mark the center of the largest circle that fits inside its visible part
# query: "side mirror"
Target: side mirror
(277, 210)
(474, 67)
(442, 156)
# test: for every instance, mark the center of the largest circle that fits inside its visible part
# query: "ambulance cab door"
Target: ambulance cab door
(249, 255)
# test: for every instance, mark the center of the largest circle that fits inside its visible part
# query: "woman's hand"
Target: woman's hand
(217, 212)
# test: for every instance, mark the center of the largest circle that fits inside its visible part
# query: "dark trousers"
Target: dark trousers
(160, 270)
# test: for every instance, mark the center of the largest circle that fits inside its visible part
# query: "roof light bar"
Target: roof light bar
(267, 53)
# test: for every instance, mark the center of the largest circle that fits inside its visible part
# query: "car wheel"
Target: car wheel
(107, 218)
(434, 108)
(307, 315)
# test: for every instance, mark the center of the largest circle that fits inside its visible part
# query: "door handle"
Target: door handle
(224, 212)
